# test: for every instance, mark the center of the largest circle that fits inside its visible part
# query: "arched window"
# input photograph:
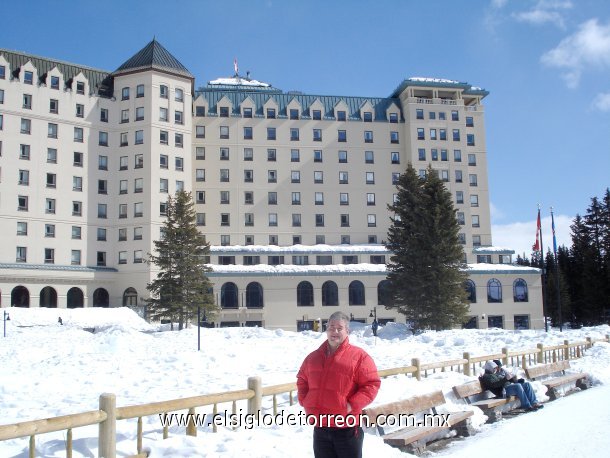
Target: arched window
(101, 298)
(254, 296)
(494, 290)
(383, 293)
(304, 294)
(20, 297)
(520, 290)
(48, 297)
(356, 293)
(330, 293)
(471, 291)
(75, 298)
(130, 297)
(229, 296)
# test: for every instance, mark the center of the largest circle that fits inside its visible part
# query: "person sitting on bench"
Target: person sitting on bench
(502, 384)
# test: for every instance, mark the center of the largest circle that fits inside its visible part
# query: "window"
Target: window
(476, 240)
(1, 96)
(395, 157)
(442, 134)
(345, 240)
(247, 112)
(456, 135)
(162, 208)
(2, 72)
(138, 209)
(371, 220)
(75, 257)
(343, 198)
(249, 219)
(300, 260)
(179, 163)
(102, 186)
(422, 154)
(248, 154)
(138, 185)
(272, 198)
(474, 200)
(54, 82)
(294, 113)
(368, 136)
(271, 155)
(51, 180)
(432, 134)
(22, 254)
(469, 121)
(494, 290)
(247, 133)
(271, 133)
(49, 206)
(139, 161)
(103, 114)
(163, 137)
(28, 77)
(304, 294)
(140, 90)
(137, 257)
(101, 258)
(470, 140)
(471, 291)
(295, 155)
(26, 126)
(369, 157)
(248, 176)
(295, 176)
(139, 137)
(125, 93)
(77, 183)
(419, 113)
(319, 220)
(200, 219)
(395, 177)
(475, 220)
(54, 106)
(460, 218)
(77, 159)
(163, 161)
(137, 233)
(341, 116)
(317, 135)
(356, 293)
(163, 116)
(124, 139)
(394, 118)
(24, 177)
(444, 155)
(472, 179)
(319, 198)
(342, 157)
(102, 211)
(294, 134)
(458, 176)
(296, 198)
(343, 177)
(421, 133)
(76, 232)
(459, 197)
(341, 136)
(199, 153)
(344, 218)
(199, 111)
(318, 177)
(248, 197)
(224, 132)
(163, 91)
(224, 175)
(377, 259)
(122, 257)
(455, 115)
(139, 113)
(317, 155)
(179, 95)
(122, 210)
(77, 208)
(275, 260)
(271, 113)
(22, 228)
(178, 140)
(296, 220)
(370, 177)
(472, 159)
(370, 198)
(124, 116)
(52, 130)
(445, 175)
(78, 134)
(272, 176)
(224, 197)
(103, 139)
(49, 230)
(225, 219)
(272, 219)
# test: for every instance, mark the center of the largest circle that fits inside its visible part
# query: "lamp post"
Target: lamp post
(5, 317)
(375, 324)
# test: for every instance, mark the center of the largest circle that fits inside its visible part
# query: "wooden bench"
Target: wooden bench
(474, 395)
(581, 380)
(417, 426)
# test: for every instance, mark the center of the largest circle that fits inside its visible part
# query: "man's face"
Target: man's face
(336, 332)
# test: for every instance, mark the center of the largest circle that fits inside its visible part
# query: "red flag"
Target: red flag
(536, 246)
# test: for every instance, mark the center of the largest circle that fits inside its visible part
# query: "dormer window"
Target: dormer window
(317, 115)
(247, 112)
(294, 113)
(224, 112)
(393, 117)
(80, 87)
(271, 113)
(341, 116)
(368, 116)
(28, 77)
(55, 82)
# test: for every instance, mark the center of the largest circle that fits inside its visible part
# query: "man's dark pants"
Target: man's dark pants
(338, 442)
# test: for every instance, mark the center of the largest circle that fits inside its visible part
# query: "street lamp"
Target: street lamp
(5, 317)
(375, 324)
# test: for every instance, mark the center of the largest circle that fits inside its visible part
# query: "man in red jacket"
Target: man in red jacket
(335, 383)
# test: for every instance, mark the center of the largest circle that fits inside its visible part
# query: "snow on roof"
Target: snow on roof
(493, 249)
(421, 79)
(238, 81)
(500, 268)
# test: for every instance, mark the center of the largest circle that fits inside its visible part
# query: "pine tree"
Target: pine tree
(426, 270)
(181, 284)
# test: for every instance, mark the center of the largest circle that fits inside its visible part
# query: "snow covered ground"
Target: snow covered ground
(48, 369)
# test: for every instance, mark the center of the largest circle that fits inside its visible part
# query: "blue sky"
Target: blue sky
(545, 63)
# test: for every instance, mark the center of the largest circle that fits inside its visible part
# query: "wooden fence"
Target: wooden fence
(108, 414)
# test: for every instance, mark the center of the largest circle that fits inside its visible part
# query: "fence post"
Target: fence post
(191, 427)
(466, 356)
(566, 351)
(589, 342)
(415, 362)
(254, 404)
(540, 355)
(505, 356)
(107, 429)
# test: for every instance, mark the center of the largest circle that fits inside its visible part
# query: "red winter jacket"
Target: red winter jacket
(327, 383)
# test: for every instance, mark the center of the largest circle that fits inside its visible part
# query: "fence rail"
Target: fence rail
(108, 414)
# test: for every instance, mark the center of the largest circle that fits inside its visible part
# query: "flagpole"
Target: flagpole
(543, 275)
(556, 271)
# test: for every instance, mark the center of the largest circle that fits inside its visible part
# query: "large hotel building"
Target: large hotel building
(291, 189)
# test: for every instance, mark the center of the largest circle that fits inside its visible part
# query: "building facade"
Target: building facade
(287, 186)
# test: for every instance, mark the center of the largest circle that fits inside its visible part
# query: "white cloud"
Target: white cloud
(545, 11)
(521, 236)
(602, 102)
(589, 46)
(495, 212)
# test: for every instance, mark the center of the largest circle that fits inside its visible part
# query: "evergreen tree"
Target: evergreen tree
(426, 270)
(181, 284)
(552, 305)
